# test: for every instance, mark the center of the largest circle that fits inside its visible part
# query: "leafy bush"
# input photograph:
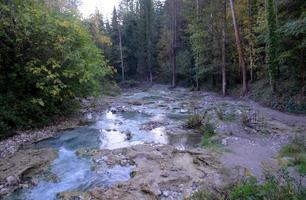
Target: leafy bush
(47, 59)
(289, 97)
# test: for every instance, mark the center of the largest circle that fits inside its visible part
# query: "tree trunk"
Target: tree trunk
(224, 92)
(196, 71)
(252, 62)
(121, 54)
(173, 56)
(148, 38)
(239, 49)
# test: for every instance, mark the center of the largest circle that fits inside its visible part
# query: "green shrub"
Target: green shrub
(296, 149)
(251, 189)
(47, 61)
(194, 121)
(202, 195)
(271, 189)
(208, 131)
(289, 97)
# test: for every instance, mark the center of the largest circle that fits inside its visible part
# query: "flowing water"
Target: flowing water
(153, 116)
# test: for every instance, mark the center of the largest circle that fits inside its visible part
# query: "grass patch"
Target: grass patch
(208, 131)
(194, 121)
(296, 150)
(251, 189)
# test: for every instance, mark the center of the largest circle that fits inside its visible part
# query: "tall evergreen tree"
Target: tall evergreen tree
(117, 51)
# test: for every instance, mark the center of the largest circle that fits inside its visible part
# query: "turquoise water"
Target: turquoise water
(111, 130)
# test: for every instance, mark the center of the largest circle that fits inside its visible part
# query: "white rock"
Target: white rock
(183, 111)
(4, 190)
(224, 141)
(11, 180)
(165, 193)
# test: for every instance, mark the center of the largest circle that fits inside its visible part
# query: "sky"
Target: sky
(105, 7)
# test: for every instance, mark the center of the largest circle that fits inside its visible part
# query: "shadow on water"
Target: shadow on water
(73, 139)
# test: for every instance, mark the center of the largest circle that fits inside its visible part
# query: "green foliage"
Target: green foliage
(272, 44)
(250, 188)
(271, 189)
(202, 195)
(47, 59)
(291, 100)
(296, 150)
(272, 37)
(208, 131)
(203, 30)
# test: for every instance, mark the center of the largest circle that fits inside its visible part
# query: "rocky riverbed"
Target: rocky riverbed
(138, 147)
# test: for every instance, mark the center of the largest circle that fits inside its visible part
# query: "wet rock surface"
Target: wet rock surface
(21, 164)
(161, 171)
(11, 145)
(135, 146)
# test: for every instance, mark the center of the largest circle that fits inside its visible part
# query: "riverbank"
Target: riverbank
(125, 128)
(12, 144)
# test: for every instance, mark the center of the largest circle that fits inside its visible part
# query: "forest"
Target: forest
(164, 99)
(257, 46)
(50, 55)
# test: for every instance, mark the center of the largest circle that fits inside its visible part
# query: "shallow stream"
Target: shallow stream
(152, 116)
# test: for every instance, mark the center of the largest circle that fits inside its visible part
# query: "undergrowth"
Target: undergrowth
(204, 127)
(249, 188)
(288, 97)
(208, 131)
(296, 151)
(194, 121)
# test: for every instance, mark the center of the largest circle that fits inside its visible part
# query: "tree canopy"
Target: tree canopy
(50, 56)
(47, 59)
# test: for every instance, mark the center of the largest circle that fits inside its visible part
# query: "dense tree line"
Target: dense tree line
(50, 56)
(256, 45)
(47, 60)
